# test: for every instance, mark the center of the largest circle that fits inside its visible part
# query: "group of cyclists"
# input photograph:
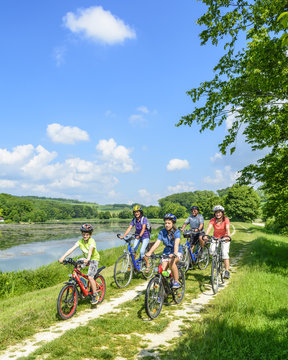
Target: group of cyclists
(170, 236)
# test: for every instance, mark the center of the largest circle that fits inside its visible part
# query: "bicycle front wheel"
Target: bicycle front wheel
(203, 258)
(154, 297)
(148, 271)
(100, 288)
(67, 302)
(123, 271)
(178, 294)
(214, 275)
(221, 271)
(187, 260)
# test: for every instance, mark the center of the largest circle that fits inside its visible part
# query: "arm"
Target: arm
(227, 226)
(89, 254)
(154, 247)
(176, 245)
(201, 226)
(208, 229)
(183, 227)
(142, 231)
(127, 231)
(68, 252)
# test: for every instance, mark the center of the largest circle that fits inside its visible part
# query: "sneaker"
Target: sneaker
(226, 274)
(176, 285)
(94, 300)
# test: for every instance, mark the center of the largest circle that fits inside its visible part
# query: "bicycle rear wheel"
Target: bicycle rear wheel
(178, 294)
(203, 258)
(214, 275)
(154, 297)
(67, 302)
(123, 271)
(187, 260)
(100, 288)
(148, 271)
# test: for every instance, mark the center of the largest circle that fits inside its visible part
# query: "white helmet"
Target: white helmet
(218, 208)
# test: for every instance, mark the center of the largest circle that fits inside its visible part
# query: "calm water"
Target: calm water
(33, 246)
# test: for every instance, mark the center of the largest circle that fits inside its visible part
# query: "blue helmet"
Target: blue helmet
(170, 217)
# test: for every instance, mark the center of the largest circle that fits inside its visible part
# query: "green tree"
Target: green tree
(242, 203)
(250, 84)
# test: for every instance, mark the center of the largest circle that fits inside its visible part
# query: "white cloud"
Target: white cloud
(148, 198)
(59, 55)
(143, 109)
(177, 164)
(216, 157)
(137, 119)
(117, 157)
(99, 25)
(19, 154)
(7, 184)
(224, 178)
(66, 134)
(181, 187)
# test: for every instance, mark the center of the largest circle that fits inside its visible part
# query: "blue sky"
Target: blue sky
(90, 95)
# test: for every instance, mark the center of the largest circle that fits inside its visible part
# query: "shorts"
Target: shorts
(93, 267)
(225, 247)
(195, 237)
(179, 255)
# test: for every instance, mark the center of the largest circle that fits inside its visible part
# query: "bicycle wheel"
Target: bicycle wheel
(178, 294)
(123, 271)
(100, 288)
(221, 270)
(187, 260)
(154, 297)
(67, 302)
(148, 271)
(203, 258)
(214, 275)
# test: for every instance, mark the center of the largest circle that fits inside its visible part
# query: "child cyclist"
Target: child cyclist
(141, 232)
(170, 236)
(88, 246)
(221, 225)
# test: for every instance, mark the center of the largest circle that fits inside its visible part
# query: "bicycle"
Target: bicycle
(160, 287)
(200, 256)
(217, 268)
(126, 265)
(78, 286)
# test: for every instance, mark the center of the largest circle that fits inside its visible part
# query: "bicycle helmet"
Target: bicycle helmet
(137, 208)
(86, 228)
(218, 208)
(170, 217)
(194, 207)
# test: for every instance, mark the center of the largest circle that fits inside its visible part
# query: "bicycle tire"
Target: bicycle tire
(67, 302)
(178, 294)
(123, 271)
(221, 270)
(203, 258)
(154, 297)
(214, 275)
(187, 260)
(100, 287)
(148, 274)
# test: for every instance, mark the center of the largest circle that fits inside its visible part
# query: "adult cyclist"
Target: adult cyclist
(196, 222)
(170, 236)
(221, 225)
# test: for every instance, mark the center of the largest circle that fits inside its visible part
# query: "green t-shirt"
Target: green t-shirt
(85, 248)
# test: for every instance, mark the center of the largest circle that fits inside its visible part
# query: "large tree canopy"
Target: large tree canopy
(250, 84)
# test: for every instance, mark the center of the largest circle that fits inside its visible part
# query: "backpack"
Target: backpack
(148, 226)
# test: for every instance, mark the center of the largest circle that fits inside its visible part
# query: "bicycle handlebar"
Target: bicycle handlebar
(72, 262)
(127, 237)
(224, 238)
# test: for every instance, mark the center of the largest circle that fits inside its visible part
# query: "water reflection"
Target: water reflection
(34, 254)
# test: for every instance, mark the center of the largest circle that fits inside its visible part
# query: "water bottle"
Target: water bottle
(166, 273)
(84, 281)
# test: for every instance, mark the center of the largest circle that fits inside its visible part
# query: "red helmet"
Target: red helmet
(86, 228)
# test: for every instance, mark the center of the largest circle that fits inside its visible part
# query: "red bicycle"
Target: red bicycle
(78, 286)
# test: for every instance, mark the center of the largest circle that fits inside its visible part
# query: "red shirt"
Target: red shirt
(219, 228)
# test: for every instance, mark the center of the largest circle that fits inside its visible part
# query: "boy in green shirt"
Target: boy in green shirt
(88, 246)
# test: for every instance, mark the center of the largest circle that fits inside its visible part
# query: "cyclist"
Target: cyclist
(196, 222)
(221, 225)
(141, 232)
(170, 236)
(88, 246)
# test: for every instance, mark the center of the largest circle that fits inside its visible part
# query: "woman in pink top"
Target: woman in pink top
(221, 225)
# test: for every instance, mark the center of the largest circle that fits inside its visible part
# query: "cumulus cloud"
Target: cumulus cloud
(19, 154)
(66, 134)
(143, 109)
(217, 156)
(117, 157)
(224, 178)
(181, 187)
(177, 164)
(137, 119)
(99, 25)
(7, 184)
(147, 198)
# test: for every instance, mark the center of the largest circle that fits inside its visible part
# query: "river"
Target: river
(30, 246)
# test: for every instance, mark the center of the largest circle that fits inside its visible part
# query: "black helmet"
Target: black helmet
(86, 228)
(194, 207)
(170, 217)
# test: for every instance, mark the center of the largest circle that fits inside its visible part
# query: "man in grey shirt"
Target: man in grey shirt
(196, 222)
